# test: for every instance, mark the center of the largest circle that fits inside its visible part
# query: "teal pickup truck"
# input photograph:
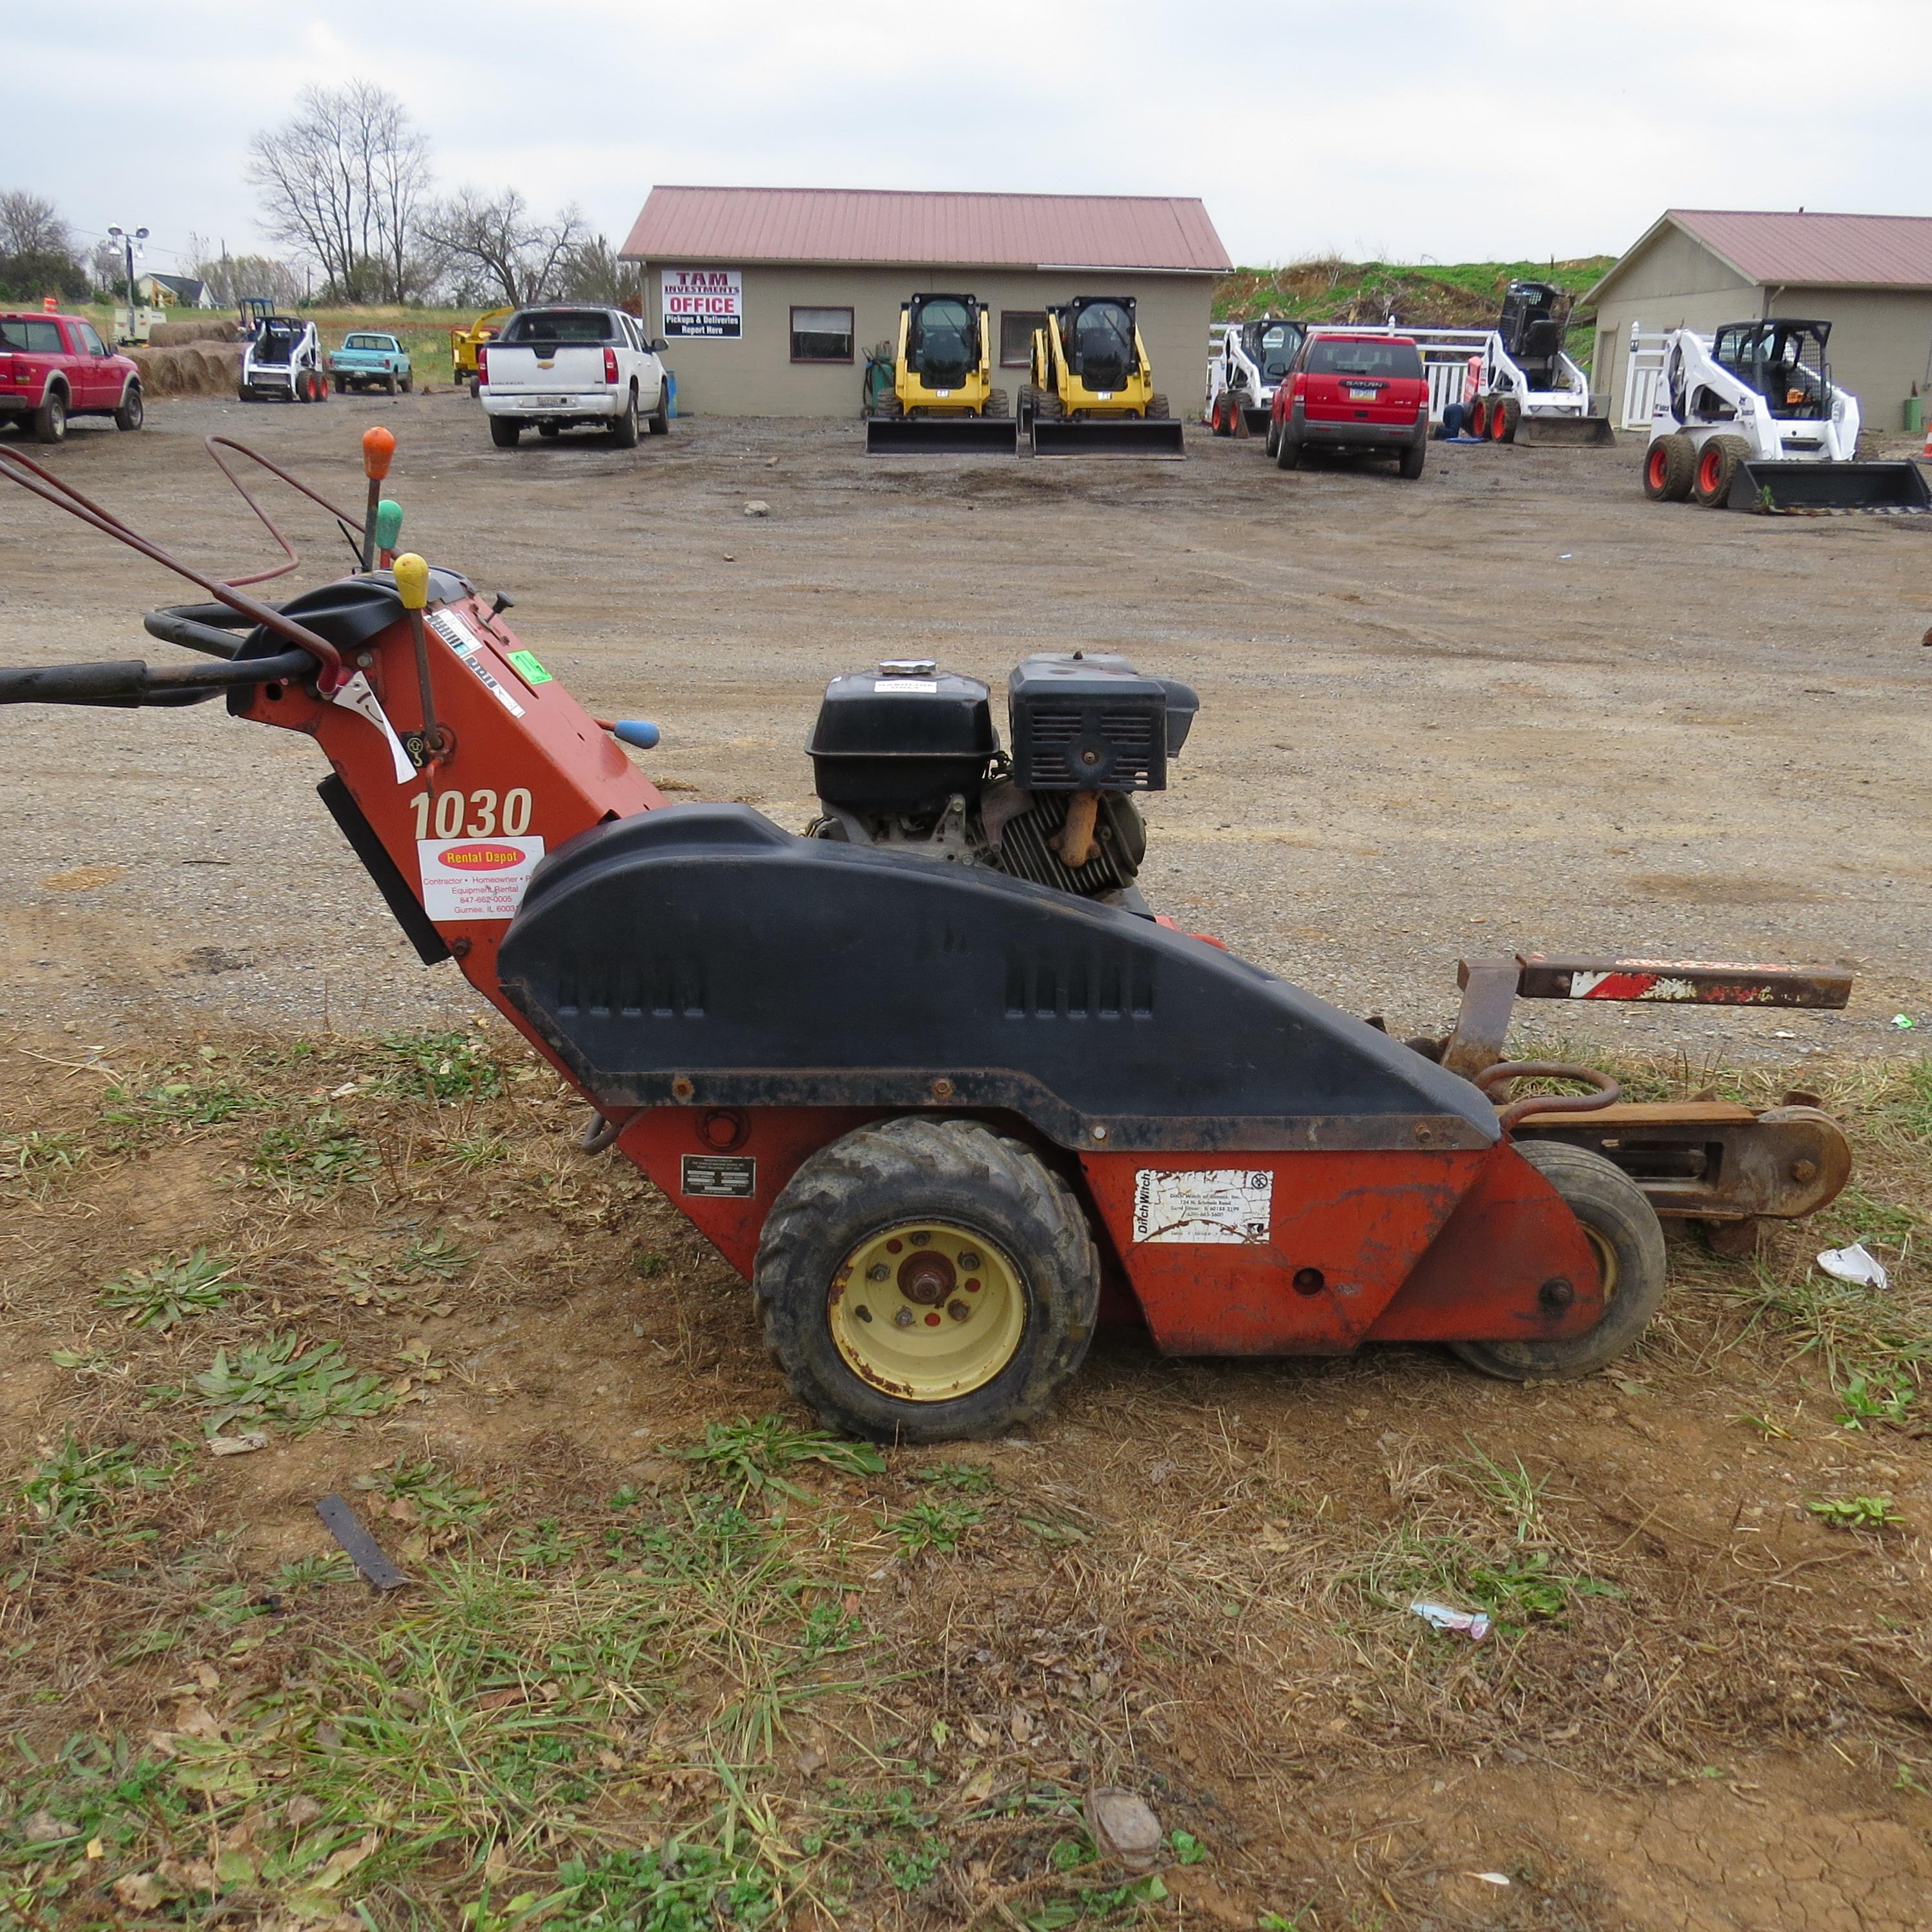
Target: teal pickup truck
(369, 361)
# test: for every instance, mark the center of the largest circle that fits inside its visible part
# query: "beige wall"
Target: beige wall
(755, 376)
(1880, 338)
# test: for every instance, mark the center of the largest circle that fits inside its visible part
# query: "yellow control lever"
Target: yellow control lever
(412, 580)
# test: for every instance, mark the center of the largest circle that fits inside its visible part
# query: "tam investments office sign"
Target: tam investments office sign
(703, 302)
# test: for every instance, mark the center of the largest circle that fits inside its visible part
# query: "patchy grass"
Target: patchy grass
(670, 1661)
(316, 1154)
(166, 1291)
(754, 1455)
(283, 1381)
(455, 1066)
(933, 1522)
(74, 1487)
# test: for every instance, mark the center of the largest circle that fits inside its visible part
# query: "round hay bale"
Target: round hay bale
(206, 327)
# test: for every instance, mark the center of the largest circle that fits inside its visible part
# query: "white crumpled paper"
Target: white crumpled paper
(1855, 1265)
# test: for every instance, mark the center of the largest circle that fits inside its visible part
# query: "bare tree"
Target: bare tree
(230, 277)
(495, 239)
(30, 224)
(592, 272)
(342, 181)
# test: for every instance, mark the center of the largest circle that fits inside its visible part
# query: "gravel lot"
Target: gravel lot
(1512, 706)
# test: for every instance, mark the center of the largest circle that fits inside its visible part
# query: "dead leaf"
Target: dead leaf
(340, 1864)
(139, 1892)
(84, 878)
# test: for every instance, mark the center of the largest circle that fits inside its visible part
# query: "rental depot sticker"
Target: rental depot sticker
(703, 302)
(475, 878)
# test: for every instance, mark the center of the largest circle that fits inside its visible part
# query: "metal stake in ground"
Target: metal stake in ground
(378, 447)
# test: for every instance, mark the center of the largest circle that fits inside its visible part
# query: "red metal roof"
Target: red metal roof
(780, 224)
(1850, 250)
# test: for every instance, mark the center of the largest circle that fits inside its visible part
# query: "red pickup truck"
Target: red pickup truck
(54, 367)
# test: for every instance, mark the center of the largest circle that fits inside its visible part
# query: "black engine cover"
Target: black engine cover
(703, 942)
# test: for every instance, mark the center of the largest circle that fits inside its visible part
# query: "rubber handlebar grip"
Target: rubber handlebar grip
(74, 684)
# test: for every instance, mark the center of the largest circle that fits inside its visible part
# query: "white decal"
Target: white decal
(466, 643)
(1203, 1205)
(703, 302)
(916, 687)
(475, 878)
(356, 696)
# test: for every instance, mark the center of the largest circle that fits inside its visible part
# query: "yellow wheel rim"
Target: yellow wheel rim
(927, 1311)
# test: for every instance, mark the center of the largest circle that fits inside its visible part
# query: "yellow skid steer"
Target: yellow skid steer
(1092, 391)
(942, 402)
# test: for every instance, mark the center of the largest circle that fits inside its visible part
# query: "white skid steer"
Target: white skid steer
(1749, 419)
(1248, 361)
(1531, 391)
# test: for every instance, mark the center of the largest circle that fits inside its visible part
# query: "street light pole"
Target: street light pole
(127, 241)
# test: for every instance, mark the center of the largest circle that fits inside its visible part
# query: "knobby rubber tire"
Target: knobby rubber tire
(1719, 457)
(1669, 468)
(1504, 414)
(1611, 1205)
(913, 1169)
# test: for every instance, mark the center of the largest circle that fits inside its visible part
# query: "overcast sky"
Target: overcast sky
(1464, 129)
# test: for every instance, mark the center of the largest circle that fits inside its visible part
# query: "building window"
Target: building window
(821, 335)
(1016, 328)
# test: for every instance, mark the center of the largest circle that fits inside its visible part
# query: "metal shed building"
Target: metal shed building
(1869, 275)
(770, 297)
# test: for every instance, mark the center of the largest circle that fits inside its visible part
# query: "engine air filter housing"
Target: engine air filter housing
(1090, 722)
(903, 738)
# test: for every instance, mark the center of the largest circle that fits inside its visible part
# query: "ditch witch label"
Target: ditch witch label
(703, 302)
(475, 878)
(1202, 1206)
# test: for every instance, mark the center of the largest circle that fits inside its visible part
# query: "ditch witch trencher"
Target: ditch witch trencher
(933, 1077)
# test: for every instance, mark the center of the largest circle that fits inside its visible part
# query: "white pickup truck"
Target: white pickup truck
(568, 364)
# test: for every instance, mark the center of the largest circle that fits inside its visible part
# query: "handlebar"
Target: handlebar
(131, 681)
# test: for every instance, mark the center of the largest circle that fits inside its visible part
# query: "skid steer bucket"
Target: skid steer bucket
(942, 436)
(1566, 431)
(1108, 435)
(1830, 489)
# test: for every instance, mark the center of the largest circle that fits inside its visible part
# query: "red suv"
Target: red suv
(53, 367)
(1344, 390)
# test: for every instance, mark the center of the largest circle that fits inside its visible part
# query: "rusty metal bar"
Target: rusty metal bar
(1682, 981)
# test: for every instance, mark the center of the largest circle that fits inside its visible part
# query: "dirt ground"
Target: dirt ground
(1511, 706)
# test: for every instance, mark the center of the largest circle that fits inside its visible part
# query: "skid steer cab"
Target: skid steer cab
(1090, 391)
(942, 401)
(935, 1076)
(1749, 419)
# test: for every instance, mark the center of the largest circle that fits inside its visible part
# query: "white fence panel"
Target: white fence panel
(1643, 369)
